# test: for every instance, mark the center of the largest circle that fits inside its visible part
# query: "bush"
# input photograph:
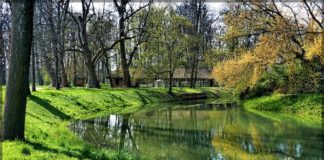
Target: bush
(274, 78)
(302, 78)
(290, 78)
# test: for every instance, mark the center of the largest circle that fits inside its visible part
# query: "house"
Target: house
(181, 78)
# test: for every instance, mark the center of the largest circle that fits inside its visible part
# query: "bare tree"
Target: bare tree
(125, 16)
(55, 15)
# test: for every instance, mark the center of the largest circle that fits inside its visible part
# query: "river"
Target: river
(202, 131)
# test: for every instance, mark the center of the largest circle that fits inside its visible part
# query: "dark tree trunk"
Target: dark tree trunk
(194, 69)
(2, 59)
(38, 72)
(109, 73)
(64, 80)
(33, 67)
(170, 76)
(171, 71)
(28, 89)
(170, 85)
(92, 78)
(192, 72)
(16, 95)
(74, 69)
(93, 81)
(57, 80)
(103, 75)
(126, 75)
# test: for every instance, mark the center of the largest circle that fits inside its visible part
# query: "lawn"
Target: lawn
(303, 107)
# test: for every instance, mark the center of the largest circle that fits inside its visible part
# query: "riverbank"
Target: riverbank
(305, 108)
(49, 112)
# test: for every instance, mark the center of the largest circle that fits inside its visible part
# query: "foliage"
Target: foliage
(253, 69)
(235, 73)
(302, 78)
(315, 49)
(165, 49)
(314, 46)
(287, 78)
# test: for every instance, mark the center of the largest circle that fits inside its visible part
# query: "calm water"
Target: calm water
(202, 131)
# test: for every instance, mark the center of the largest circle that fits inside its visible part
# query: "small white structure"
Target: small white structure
(159, 83)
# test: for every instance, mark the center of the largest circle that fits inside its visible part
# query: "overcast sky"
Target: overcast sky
(214, 7)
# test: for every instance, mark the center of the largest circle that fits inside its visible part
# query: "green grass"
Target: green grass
(49, 112)
(306, 108)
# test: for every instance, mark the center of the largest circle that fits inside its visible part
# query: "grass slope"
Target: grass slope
(306, 108)
(49, 112)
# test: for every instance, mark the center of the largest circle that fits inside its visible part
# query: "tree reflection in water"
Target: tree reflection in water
(206, 131)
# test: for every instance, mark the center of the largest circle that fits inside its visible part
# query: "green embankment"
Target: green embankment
(305, 108)
(49, 112)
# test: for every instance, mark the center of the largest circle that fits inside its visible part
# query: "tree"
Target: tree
(82, 22)
(44, 44)
(91, 56)
(175, 42)
(16, 95)
(126, 15)
(5, 19)
(202, 32)
(279, 39)
(55, 17)
(166, 47)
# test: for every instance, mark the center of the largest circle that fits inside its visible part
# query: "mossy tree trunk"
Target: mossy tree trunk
(16, 94)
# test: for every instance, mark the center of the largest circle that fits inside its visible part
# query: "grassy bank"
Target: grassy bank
(306, 108)
(49, 112)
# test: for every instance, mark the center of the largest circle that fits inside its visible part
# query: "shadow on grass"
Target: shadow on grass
(83, 153)
(118, 100)
(144, 100)
(160, 97)
(49, 107)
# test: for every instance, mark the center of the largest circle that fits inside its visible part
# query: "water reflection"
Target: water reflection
(205, 131)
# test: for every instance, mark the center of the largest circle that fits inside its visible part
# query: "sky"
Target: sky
(214, 7)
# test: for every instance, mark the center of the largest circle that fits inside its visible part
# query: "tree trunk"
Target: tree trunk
(93, 81)
(92, 77)
(103, 75)
(33, 67)
(64, 80)
(49, 69)
(57, 84)
(170, 73)
(74, 69)
(109, 73)
(192, 72)
(196, 68)
(2, 60)
(170, 85)
(16, 95)
(126, 75)
(38, 72)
